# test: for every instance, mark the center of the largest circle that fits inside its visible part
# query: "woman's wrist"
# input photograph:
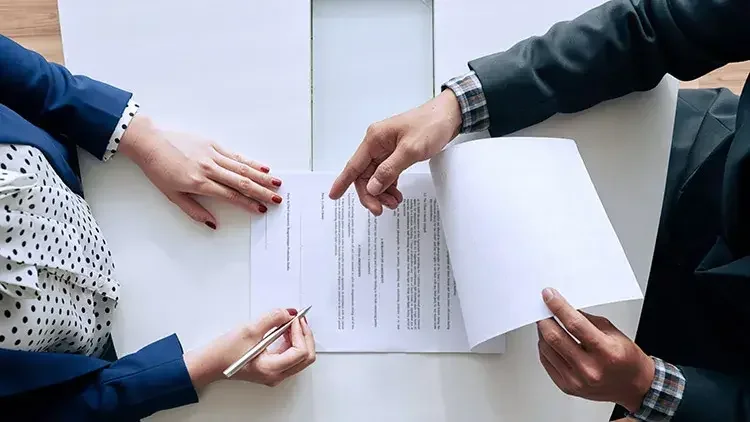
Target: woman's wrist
(202, 368)
(137, 141)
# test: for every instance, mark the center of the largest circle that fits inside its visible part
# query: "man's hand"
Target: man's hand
(603, 365)
(394, 144)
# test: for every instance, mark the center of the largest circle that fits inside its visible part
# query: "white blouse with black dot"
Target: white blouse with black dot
(57, 285)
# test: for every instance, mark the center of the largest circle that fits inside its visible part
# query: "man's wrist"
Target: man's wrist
(663, 397)
(447, 101)
(640, 386)
(468, 91)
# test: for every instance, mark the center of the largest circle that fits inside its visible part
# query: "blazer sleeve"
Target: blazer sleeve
(620, 47)
(713, 396)
(51, 386)
(73, 107)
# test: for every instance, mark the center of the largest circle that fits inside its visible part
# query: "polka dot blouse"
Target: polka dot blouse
(57, 286)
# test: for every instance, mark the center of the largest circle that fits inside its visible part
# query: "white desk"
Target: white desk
(179, 277)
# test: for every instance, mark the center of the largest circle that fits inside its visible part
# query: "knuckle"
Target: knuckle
(552, 338)
(196, 180)
(413, 151)
(248, 331)
(616, 355)
(386, 169)
(244, 171)
(574, 387)
(245, 185)
(576, 324)
(204, 165)
(593, 376)
(234, 196)
(265, 371)
(374, 130)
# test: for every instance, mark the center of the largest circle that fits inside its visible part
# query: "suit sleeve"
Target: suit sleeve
(713, 396)
(620, 47)
(79, 388)
(69, 107)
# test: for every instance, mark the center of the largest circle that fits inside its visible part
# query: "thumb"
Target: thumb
(194, 210)
(388, 171)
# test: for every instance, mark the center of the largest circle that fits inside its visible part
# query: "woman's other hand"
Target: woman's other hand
(182, 166)
(290, 354)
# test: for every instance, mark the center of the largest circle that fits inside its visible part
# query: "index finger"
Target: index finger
(353, 169)
(573, 321)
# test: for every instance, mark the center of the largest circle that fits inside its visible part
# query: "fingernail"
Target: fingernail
(276, 199)
(265, 169)
(211, 225)
(374, 186)
(262, 208)
(276, 182)
(548, 294)
(292, 311)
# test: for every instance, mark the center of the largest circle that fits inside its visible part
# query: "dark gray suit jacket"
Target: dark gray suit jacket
(697, 309)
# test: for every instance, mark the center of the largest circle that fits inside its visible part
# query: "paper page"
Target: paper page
(611, 136)
(525, 216)
(380, 284)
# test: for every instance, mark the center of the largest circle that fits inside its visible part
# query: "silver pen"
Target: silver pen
(262, 345)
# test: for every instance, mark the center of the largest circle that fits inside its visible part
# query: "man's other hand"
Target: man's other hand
(598, 362)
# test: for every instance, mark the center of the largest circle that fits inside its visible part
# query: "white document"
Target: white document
(516, 215)
(375, 284)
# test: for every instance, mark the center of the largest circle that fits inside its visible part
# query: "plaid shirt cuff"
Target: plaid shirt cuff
(468, 90)
(665, 394)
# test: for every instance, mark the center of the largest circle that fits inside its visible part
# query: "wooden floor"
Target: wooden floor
(34, 23)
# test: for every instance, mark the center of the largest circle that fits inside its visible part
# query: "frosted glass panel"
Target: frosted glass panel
(371, 59)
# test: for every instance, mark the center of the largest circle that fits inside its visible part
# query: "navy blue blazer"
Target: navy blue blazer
(45, 106)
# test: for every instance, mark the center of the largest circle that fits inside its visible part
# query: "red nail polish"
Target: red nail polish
(265, 169)
(276, 199)
(276, 182)
(211, 225)
(292, 311)
(262, 208)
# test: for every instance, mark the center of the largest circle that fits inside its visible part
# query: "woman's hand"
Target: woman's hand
(291, 354)
(182, 166)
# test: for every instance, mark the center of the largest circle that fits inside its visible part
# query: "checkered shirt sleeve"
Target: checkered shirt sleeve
(474, 111)
(664, 396)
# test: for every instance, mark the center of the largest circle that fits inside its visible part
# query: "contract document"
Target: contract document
(459, 263)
